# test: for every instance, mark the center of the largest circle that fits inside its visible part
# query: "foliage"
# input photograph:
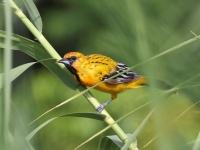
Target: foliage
(157, 38)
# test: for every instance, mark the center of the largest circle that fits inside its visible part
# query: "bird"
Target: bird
(92, 69)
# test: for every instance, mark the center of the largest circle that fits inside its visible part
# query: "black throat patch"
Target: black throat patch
(73, 71)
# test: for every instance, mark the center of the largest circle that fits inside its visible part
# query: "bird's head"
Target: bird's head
(70, 58)
(68, 61)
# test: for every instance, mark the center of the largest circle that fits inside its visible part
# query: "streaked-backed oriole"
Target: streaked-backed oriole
(92, 69)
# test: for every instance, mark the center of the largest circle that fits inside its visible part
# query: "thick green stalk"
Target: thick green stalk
(7, 63)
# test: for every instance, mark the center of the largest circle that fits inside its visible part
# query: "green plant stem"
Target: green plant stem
(109, 120)
(7, 63)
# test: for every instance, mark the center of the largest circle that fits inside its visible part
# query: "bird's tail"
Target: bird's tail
(158, 84)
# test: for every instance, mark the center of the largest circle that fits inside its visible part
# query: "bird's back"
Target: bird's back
(93, 68)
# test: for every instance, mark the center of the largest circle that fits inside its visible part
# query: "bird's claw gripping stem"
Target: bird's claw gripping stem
(102, 106)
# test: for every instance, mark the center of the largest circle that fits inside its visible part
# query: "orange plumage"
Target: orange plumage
(92, 69)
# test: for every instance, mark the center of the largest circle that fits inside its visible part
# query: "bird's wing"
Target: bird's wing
(126, 77)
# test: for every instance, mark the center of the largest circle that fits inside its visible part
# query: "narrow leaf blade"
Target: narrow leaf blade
(15, 72)
(34, 14)
(197, 143)
(37, 52)
(83, 115)
(113, 142)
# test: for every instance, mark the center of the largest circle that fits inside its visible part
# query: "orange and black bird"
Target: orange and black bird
(92, 69)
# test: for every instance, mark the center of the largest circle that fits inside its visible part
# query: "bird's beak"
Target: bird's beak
(64, 61)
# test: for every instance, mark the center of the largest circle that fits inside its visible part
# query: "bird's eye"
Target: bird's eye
(73, 57)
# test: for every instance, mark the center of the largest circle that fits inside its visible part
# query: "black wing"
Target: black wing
(126, 77)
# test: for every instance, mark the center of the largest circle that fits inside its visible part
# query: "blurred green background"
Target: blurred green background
(130, 32)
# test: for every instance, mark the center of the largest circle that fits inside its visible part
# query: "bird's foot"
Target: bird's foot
(102, 106)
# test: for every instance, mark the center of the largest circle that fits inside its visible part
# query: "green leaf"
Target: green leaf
(37, 52)
(34, 14)
(113, 142)
(95, 116)
(197, 143)
(15, 72)
(83, 115)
